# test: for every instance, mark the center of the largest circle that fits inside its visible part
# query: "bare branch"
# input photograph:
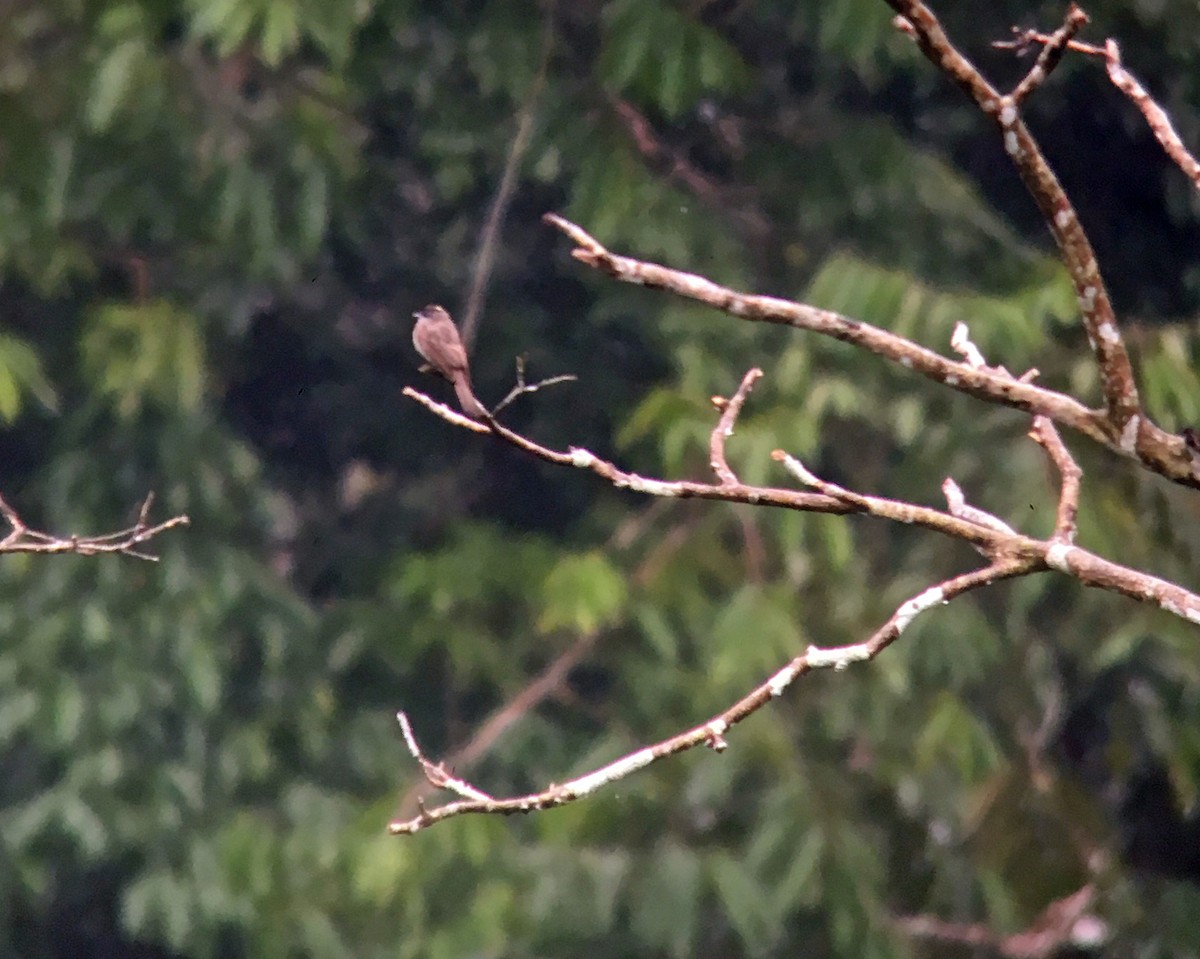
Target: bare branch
(1046, 436)
(959, 507)
(983, 535)
(724, 428)
(585, 459)
(960, 342)
(1051, 54)
(1088, 568)
(1156, 449)
(1121, 426)
(1156, 117)
(1068, 921)
(1122, 405)
(1011, 555)
(436, 773)
(22, 539)
(550, 679)
(711, 733)
(553, 679)
(520, 388)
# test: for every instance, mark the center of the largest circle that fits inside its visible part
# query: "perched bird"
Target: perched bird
(436, 338)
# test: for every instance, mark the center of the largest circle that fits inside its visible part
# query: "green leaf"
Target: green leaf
(144, 352)
(21, 372)
(953, 735)
(628, 42)
(582, 594)
(58, 178)
(111, 85)
(280, 31)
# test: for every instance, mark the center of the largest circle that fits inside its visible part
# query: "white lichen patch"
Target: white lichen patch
(1057, 556)
(1108, 333)
(639, 484)
(917, 605)
(1129, 435)
(581, 458)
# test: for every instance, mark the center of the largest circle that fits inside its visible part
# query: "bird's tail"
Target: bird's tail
(466, 398)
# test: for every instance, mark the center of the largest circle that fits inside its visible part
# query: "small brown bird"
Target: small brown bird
(436, 338)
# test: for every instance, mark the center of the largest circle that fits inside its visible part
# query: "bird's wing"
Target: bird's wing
(449, 346)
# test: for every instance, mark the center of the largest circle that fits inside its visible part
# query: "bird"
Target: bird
(436, 338)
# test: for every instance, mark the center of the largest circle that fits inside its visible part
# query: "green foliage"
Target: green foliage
(132, 354)
(21, 373)
(582, 594)
(859, 31)
(1014, 325)
(660, 56)
(1168, 380)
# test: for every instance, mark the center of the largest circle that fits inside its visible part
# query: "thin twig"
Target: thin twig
(1070, 477)
(502, 719)
(1050, 54)
(1156, 117)
(22, 539)
(585, 459)
(958, 506)
(724, 429)
(521, 387)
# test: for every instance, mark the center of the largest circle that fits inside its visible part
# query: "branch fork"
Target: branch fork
(1120, 424)
(21, 538)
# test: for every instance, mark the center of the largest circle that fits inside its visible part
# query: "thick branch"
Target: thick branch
(1122, 406)
(1158, 450)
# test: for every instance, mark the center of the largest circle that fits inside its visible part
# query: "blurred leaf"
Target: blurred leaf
(58, 178)
(583, 594)
(748, 905)
(664, 906)
(138, 353)
(953, 736)
(662, 57)
(280, 31)
(21, 372)
(112, 84)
